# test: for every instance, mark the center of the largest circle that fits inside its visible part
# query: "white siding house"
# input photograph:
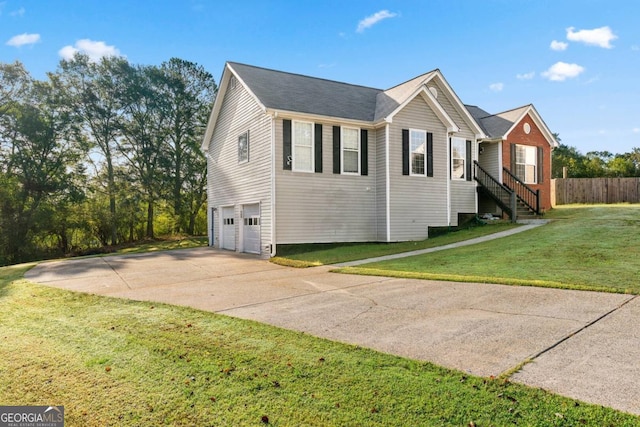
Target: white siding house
(297, 159)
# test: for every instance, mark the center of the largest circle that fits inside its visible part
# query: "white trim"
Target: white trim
(273, 186)
(359, 150)
(411, 173)
(458, 104)
(387, 183)
(448, 151)
(432, 102)
(500, 165)
(317, 118)
(293, 147)
(464, 158)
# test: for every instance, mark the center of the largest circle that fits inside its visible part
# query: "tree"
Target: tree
(190, 92)
(97, 90)
(144, 131)
(39, 176)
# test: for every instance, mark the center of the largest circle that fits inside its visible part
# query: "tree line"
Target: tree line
(594, 164)
(100, 153)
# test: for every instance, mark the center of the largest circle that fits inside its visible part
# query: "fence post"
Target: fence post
(514, 206)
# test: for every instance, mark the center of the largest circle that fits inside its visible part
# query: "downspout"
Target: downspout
(448, 150)
(473, 169)
(273, 184)
(387, 183)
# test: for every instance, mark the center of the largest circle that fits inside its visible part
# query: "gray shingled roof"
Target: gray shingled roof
(295, 92)
(493, 125)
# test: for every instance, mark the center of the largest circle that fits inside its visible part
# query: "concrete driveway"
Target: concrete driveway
(585, 345)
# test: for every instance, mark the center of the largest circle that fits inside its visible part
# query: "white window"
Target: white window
(350, 151)
(302, 146)
(243, 147)
(527, 164)
(458, 158)
(417, 149)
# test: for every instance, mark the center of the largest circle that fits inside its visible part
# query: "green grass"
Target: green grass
(166, 244)
(308, 255)
(114, 362)
(594, 247)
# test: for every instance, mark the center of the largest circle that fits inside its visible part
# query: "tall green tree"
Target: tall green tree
(144, 131)
(97, 89)
(189, 91)
(40, 175)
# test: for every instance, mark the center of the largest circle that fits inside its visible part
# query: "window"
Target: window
(350, 150)
(243, 147)
(458, 158)
(417, 147)
(303, 147)
(526, 164)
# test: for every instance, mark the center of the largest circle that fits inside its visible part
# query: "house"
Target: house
(516, 152)
(298, 159)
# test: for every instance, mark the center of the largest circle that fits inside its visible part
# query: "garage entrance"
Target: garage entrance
(228, 229)
(251, 228)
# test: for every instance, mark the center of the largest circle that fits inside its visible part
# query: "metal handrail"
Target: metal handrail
(503, 195)
(528, 196)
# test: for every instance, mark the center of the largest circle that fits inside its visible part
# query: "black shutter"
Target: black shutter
(513, 159)
(469, 159)
(405, 151)
(336, 149)
(318, 148)
(540, 165)
(364, 152)
(429, 154)
(286, 145)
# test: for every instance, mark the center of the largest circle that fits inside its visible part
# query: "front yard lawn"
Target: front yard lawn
(114, 362)
(583, 247)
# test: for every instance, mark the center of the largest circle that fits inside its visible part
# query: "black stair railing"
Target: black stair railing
(528, 196)
(504, 196)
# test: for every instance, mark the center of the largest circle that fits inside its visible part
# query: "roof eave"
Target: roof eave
(274, 112)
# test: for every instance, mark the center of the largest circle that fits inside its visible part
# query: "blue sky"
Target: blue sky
(577, 61)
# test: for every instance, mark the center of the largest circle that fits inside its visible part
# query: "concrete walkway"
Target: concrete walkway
(583, 344)
(527, 227)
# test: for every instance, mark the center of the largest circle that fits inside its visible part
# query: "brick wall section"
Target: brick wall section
(534, 138)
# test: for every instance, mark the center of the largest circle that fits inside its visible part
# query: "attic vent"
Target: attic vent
(434, 92)
(527, 128)
(233, 82)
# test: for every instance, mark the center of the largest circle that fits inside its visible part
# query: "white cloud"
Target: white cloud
(635, 48)
(496, 87)
(371, 20)
(560, 71)
(556, 45)
(597, 37)
(635, 130)
(526, 76)
(19, 12)
(93, 49)
(23, 39)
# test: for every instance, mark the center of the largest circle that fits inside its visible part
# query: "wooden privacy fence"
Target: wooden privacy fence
(595, 190)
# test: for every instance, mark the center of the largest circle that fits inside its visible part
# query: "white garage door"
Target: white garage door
(251, 230)
(228, 229)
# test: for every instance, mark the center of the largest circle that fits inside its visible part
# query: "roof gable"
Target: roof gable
(499, 126)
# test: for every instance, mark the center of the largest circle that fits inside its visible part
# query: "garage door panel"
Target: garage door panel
(251, 228)
(228, 228)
